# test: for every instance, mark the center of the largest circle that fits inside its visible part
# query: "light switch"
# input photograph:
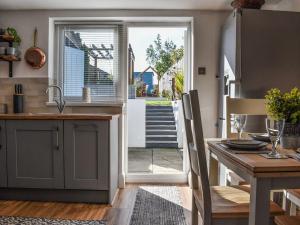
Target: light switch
(201, 70)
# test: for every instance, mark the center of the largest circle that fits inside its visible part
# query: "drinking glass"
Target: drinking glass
(275, 129)
(239, 123)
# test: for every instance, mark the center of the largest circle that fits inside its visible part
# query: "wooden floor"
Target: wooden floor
(118, 214)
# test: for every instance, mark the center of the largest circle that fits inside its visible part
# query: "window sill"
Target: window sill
(89, 104)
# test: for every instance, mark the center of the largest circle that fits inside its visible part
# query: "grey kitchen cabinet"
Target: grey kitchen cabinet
(86, 147)
(35, 154)
(3, 171)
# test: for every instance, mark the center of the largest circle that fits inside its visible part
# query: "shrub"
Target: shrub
(284, 105)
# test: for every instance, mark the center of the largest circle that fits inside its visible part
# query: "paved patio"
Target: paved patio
(155, 161)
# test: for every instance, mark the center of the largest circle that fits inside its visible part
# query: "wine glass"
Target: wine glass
(275, 129)
(239, 123)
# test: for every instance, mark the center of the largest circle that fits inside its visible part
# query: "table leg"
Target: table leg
(213, 171)
(259, 201)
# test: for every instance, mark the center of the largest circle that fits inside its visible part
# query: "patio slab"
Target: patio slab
(167, 161)
(139, 161)
(155, 161)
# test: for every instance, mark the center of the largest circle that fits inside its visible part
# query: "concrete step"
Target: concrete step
(161, 144)
(158, 122)
(160, 127)
(159, 111)
(161, 138)
(160, 118)
(158, 107)
(161, 132)
(160, 114)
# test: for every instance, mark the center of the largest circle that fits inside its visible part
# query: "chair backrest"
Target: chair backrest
(254, 107)
(197, 155)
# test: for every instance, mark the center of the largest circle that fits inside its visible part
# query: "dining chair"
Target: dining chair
(240, 106)
(226, 205)
(249, 107)
(292, 201)
(287, 220)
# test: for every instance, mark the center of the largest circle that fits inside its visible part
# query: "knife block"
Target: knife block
(18, 103)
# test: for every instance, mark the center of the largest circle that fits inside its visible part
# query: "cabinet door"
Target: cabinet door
(35, 154)
(3, 171)
(86, 145)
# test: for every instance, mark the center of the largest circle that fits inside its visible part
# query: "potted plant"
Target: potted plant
(286, 106)
(247, 4)
(16, 41)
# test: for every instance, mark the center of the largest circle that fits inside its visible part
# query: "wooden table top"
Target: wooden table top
(254, 163)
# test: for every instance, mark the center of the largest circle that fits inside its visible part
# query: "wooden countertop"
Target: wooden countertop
(57, 116)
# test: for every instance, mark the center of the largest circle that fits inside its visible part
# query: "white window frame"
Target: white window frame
(55, 68)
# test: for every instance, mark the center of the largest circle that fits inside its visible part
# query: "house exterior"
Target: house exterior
(146, 78)
(165, 82)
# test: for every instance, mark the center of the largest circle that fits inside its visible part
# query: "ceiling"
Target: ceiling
(131, 4)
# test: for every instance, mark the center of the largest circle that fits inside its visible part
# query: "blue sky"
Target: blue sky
(141, 37)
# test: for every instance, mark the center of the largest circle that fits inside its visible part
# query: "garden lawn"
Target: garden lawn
(159, 103)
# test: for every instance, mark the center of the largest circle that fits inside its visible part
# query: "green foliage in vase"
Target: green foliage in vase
(284, 105)
(12, 31)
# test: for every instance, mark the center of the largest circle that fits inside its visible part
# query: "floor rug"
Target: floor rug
(42, 221)
(158, 205)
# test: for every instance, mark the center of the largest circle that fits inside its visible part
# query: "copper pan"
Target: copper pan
(35, 56)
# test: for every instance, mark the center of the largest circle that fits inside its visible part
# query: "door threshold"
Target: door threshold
(157, 178)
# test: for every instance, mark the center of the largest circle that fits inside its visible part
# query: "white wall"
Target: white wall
(136, 113)
(207, 26)
(178, 114)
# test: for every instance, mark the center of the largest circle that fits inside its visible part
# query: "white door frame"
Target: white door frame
(188, 84)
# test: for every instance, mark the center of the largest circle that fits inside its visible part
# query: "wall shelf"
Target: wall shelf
(9, 58)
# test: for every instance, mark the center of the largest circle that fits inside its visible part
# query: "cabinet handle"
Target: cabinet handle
(57, 138)
(0, 138)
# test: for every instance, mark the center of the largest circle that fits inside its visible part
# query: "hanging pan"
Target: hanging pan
(35, 56)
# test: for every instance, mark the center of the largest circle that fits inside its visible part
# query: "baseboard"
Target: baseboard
(157, 178)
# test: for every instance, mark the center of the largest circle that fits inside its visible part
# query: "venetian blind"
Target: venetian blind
(91, 58)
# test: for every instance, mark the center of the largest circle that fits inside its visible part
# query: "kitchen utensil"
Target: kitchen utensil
(18, 103)
(2, 50)
(86, 94)
(3, 108)
(11, 51)
(18, 89)
(275, 129)
(260, 136)
(35, 56)
(239, 123)
(245, 144)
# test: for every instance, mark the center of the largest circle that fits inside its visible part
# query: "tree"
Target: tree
(162, 56)
(179, 79)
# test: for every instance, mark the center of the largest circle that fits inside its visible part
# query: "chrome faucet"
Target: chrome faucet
(61, 103)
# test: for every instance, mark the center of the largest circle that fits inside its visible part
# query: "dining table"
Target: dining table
(261, 173)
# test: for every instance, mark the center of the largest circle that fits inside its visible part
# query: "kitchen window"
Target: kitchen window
(88, 56)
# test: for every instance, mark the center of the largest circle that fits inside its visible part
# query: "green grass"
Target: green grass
(162, 103)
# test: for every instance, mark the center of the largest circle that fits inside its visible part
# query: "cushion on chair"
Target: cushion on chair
(232, 202)
(287, 220)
